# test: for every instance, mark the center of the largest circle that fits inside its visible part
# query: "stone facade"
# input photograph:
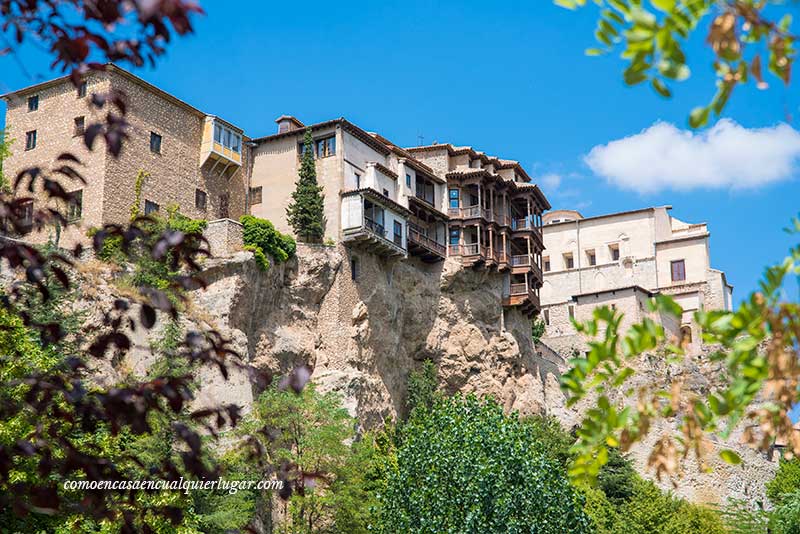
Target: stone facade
(225, 237)
(606, 259)
(174, 173)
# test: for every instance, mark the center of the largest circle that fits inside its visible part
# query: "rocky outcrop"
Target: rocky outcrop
(364, 336)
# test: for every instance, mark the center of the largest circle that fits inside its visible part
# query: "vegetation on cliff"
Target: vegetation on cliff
(305, 212)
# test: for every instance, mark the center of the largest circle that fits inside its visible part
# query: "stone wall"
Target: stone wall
(224, 237)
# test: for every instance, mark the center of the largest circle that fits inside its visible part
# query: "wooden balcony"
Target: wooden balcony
(371, 236)
(524, 296)
(421, 245)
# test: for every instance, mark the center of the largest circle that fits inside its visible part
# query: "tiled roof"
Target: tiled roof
(378, 197)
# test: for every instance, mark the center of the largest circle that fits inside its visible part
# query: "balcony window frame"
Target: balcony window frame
(681, 272)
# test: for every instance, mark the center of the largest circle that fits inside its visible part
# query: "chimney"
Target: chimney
(287, 123)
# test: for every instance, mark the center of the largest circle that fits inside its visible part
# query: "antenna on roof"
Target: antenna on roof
(421, 139)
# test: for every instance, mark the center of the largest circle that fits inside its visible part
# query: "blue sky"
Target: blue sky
(510, 79)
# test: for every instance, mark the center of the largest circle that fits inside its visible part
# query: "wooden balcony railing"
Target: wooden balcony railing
(471, 212)
(522, 224)
(521, 260)
(471, 249)
(374, 227)
(518, 289)
(454, 250)
(416, 236)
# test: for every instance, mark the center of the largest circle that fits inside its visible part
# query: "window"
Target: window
(155, 143)
(200, 199)
(547, 317)
(398, 233)
(678, 269)
(546, 265)
(75, 205)
(569, 262)
(227, 138)
(150, 207)
(571, 311)
(79, 126)
(33, 103)
(686, 334)
(386, 192)
(358, 181)
(256, 195)
(224, 200)
(591, 257)
(614, 249)
(218, 134)
(453, 195)
(30, 140)
(26, 221)
(408, 180)
(325, 147)
(455, 236)
(353, 268)
(82, 90)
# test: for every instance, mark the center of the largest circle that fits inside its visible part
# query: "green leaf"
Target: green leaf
(594, 52)
(664, 5)
(730, 457)
(660, 88)
(699, 117)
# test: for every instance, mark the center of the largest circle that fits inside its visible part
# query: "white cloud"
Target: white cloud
(725, 156)
(550, 181)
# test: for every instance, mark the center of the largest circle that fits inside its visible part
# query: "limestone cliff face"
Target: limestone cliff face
(364, 336)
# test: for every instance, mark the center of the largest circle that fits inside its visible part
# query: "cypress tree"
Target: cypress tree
(305, 212)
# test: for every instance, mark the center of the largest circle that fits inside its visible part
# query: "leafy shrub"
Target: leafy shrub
(786, 517)
(551, 439)
(261, 234)
(694, 519)
(786, 481)
(261, 259)
(617, 479)
(422, 386)
(464, 466)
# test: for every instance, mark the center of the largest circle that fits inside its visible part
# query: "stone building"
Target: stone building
(187, 158)
(620, 260)
(430, 203)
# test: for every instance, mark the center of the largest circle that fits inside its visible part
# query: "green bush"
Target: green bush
(694, 519)
(421, 387)
(261, 234)
(786, 481)
(786, 517)
(464, 466)
(261, 259)
(617, 479)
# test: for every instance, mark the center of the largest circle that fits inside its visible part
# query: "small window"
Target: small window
(325, 147)
(155, 143)
(453, 195)
(686, 334)
(547, 317)
(353, 268)
(569, 261)
(398, 233)
(236, 143)
(386, 192)
(79, 126)
(358, 181)
(614, 249)
(82, 90)
(455, 236)
(218, 134)
(546, 262)
(30, 140)
(75, 205)
(591, 257)
(678, 268)
(33, 103)
(200, 199)
(150, 207)
(408, 180)
(256, 195)
(26, 221)
(571, 311)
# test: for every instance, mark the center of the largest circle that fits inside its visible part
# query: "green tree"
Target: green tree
(739, 32)
(464, 466)
(305, 212)
(617, 479)
(537, 329)
(785, 519)
(551, 438)
(5, 152)
(422, 386)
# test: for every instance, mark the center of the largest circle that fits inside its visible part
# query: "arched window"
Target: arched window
(686, 334)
